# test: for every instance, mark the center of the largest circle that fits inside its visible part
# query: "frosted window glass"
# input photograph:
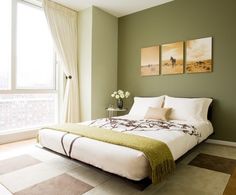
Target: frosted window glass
(35, 55)
(18, 111)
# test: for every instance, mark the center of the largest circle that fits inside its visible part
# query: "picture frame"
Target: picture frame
(172, 58)
(150, 61)
(199, 55)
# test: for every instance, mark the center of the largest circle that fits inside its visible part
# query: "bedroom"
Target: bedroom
(108, 59)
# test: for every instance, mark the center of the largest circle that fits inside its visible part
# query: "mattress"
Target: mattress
(120, 160)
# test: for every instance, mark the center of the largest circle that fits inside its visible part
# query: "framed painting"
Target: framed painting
(172, 58)
(150, 61)
(199, 55)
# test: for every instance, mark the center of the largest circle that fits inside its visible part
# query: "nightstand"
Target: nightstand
(112, 110)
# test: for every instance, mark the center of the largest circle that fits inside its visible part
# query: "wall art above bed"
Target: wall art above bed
(172, 58)
(150, 60)
(198, 54)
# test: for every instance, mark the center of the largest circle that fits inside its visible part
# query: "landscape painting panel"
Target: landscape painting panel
(199, 55)
(172, 58)
(150, 61)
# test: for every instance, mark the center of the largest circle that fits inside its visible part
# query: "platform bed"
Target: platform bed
(139, 185)
(180, 137)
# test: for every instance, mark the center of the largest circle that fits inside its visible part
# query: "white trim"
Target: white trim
(17, 136)
(220, 142)
(14, 46)
(28, 91)
(21, 130)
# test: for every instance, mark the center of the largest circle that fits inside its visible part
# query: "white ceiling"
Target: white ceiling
(115, 7)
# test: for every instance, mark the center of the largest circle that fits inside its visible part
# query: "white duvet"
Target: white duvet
(120, 160)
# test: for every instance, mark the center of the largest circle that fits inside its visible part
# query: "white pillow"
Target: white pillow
(189, 109)
(141, 105)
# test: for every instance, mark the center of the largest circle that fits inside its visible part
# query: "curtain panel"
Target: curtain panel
(62, 23)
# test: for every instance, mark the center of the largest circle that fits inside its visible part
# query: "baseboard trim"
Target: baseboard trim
(220, 142)
(17, 136)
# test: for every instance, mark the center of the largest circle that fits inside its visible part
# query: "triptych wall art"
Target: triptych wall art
(169, 58)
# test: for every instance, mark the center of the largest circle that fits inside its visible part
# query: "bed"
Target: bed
(179, 134)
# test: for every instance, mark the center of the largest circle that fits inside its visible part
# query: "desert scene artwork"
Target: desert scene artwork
(150, 61)
(199, 55)
(172, 58)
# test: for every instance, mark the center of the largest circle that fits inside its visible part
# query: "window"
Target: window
(5, 46)
(35, 55)
(28, 74)
(18, 111)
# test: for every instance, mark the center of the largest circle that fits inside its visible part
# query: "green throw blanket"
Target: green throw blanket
(157, 152)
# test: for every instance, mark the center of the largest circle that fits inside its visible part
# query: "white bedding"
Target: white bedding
(120, 160)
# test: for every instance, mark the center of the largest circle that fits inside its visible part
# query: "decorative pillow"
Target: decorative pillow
(189, 109)
(157, 113)
(141, 105)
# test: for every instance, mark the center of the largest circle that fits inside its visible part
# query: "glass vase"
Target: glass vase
(119, 103)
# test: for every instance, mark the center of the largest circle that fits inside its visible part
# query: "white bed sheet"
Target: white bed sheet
(120, 160)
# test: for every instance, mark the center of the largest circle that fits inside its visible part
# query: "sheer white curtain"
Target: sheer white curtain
(63, 26)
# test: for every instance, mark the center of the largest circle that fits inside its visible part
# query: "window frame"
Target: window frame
(13, 69)
(58, 75)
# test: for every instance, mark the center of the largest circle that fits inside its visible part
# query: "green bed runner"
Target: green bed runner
(157, 152)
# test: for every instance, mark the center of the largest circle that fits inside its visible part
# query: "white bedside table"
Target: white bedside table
(112, 110)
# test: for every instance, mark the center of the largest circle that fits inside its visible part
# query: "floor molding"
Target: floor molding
(220, 142)
(17, 136)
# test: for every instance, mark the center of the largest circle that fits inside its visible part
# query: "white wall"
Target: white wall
(97, 57)
(104, 60)
(85, 62)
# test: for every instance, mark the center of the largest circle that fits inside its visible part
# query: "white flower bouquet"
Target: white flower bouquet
(120, 94)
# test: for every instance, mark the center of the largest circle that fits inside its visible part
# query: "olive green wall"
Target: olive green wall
(184, 20)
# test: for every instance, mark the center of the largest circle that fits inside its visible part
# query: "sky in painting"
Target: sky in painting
(150, 55)
(174, 49)
(199, 49)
